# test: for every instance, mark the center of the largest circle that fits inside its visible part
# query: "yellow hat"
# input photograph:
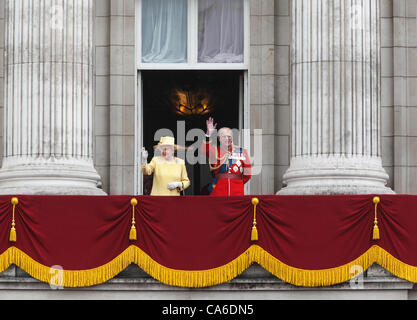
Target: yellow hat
(166, 141)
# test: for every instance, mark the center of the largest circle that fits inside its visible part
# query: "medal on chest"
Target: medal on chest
(236, 167)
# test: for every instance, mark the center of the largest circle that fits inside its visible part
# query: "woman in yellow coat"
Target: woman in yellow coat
(169, 172)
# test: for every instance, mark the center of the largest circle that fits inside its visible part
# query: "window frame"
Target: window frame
(191, 64)
(192, 43)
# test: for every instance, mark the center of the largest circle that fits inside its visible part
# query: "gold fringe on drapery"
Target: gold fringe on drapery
(205, 278)
(193, 279)
(312, 278)
(70, 278)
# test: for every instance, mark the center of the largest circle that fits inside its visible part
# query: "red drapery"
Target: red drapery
(202, 241)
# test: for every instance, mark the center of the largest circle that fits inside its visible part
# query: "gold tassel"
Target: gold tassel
(133, 233)
(254, 233)
(13, 235)
(375, 235)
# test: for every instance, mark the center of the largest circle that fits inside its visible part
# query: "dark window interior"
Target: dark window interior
(159, 111)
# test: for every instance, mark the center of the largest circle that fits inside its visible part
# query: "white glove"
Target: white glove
(144, 156)
(174, 185)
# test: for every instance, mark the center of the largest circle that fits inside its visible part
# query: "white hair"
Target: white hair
(224, 129)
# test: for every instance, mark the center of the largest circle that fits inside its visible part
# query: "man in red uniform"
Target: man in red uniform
(229, 164)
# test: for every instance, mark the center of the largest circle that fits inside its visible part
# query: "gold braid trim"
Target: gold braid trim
(222, 162)
(222, 159)
(206, 278)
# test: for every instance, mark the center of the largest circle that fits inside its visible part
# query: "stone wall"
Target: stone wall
(387, 109)
(102, 96)
(262, 93)
(282, 89)
(1, 77)
(403, 68)
(115, 94)
(269, 85)
(269, 98)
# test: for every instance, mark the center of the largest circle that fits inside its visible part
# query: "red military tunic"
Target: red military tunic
(231, 169)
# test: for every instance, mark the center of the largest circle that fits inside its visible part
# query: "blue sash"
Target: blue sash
(224, 168)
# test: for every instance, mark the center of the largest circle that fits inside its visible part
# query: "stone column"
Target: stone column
(335, 99)
(49, 90)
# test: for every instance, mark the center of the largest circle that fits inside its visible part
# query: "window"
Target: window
(220, 31)
(192, 33)
(180, 44)
(164, 31)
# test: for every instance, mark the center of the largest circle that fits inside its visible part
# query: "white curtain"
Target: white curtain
(220, 34)
(164, 31)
